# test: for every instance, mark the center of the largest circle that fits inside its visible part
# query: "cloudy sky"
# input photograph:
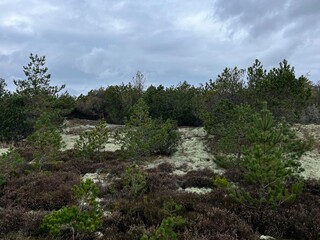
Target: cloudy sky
(94, 43)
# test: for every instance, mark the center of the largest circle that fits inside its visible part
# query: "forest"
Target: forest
(117, 179)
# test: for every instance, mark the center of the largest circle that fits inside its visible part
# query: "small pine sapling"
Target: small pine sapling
(93, 141)
(83, 218)
(46, 140)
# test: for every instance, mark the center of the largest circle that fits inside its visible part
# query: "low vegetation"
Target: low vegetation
(89, 193)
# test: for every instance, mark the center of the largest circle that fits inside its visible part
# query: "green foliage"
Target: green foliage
(180, 103)
(229, 87)
(86, 217)
(229, 124)
(166, 230)
(92, 141)
(45, 140)
(9, 162)
(10, 159)
(143, 136)
(3, 179)
(38, 95)
(12, 118)
(135, 179)
(86, 193)
(286, 94)
(112, 103)
(169, 224)
(221, 182)
(3, 85)
(64, 104)
(270, 162)
(170, 208)
(38, 80)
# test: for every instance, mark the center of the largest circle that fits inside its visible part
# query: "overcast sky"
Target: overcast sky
(94, 43)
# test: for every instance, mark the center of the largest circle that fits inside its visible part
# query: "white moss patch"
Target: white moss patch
(71, 134)
(3, 150)
(196, 190)
(310, 161)
(191, 154)
(102, 178)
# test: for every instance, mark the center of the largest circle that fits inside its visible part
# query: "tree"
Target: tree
(38, 80)
(180, 103)
(92, 141)
(45, 140)
(83, 218)
(270, 163)
(12, 118)
(286, 94)
(229, 86)
(3, 85)
(220, 98)
(38, 94)
(143, 136)
(229, 125)
(138, 81)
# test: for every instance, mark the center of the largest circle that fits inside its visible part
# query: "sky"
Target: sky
(97, 43)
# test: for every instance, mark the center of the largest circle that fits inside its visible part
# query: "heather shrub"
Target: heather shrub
(10, 220)
(211, 222)
(199, 179)
(165, 167)
(31, 222)
(92, 141)
(161, 181)
(36, 191)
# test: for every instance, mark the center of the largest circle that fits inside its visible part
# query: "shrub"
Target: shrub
(143, 136)
(271, 163)
(166, 229)
(37, 191)
(230, 125)
(135, 180)
(211, 223)
(92, 141)
(45, 140)
(10, 220)
(9, 162)
(86, 217)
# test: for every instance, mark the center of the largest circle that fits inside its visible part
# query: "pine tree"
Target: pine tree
(271, 162)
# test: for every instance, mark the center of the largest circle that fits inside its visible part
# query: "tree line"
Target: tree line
(288, 96)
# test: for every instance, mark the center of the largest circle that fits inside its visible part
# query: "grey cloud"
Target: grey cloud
(95, 43)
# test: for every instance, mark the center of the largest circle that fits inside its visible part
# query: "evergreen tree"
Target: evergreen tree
(38, 94)
(271, 162)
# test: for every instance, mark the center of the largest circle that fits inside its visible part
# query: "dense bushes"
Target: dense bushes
(143, 136)
(12, 118)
